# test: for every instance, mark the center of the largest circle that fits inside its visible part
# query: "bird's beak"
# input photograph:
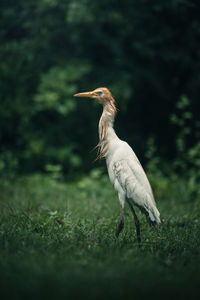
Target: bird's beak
(86, 94)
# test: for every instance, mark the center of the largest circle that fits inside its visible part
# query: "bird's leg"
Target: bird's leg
(137, 223)
(121, 224)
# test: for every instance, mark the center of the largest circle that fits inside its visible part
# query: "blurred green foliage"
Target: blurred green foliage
(145, 51)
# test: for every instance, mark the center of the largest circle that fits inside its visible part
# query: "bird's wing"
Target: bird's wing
(141, 176)
(132, 179)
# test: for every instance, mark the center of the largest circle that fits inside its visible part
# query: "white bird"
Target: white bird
(124, 168)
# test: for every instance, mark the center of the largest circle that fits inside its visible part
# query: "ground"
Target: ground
(57, 240)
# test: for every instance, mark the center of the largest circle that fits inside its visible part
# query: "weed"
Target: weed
(58, 241)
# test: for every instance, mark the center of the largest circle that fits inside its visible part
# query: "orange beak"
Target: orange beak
(86, 94)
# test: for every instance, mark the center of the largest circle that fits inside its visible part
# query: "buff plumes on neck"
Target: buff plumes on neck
(106, 121)
(104, 97)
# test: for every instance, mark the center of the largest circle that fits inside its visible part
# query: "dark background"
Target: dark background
(146, 52)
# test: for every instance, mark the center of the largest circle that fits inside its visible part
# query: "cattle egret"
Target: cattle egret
(124, 168)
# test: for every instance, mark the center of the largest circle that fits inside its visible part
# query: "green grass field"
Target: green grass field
(57, 241)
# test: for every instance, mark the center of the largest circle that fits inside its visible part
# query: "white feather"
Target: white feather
(128, 176)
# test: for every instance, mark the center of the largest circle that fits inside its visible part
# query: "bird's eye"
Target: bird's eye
(99, 93)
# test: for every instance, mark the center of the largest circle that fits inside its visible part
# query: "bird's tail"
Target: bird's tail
(152, 214)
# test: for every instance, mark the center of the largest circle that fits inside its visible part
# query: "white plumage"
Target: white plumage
(124, 168)
(129, 178)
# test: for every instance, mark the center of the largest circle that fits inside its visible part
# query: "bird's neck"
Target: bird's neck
(106, 130)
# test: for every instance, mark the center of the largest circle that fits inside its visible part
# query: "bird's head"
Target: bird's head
(102, 94)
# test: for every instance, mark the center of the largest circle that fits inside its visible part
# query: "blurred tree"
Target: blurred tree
(145, 51)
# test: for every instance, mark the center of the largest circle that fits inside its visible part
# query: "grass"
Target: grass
(57, 241)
